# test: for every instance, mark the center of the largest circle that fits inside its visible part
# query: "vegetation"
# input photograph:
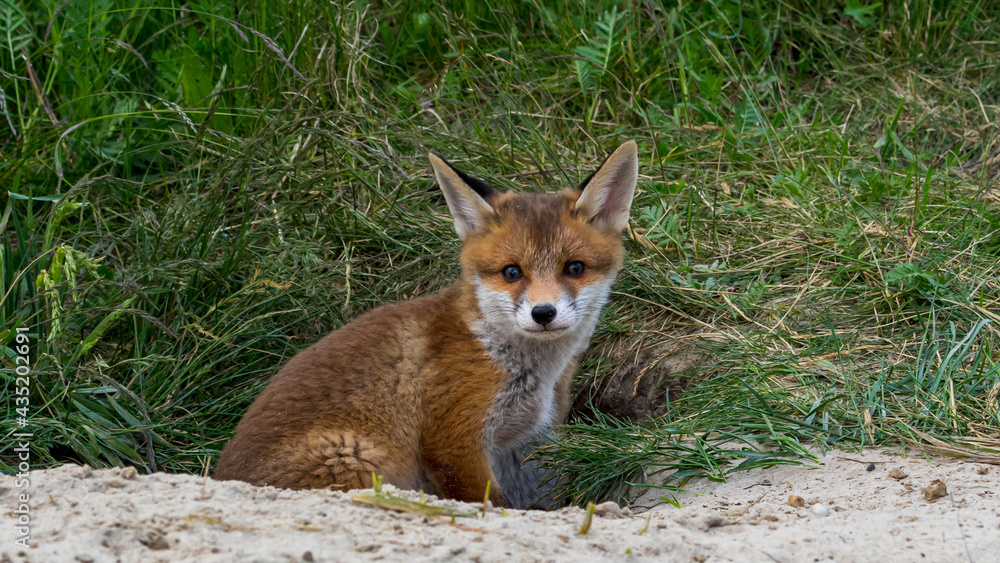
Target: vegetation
(197, 190)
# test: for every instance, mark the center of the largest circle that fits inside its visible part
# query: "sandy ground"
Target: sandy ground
(78, 514)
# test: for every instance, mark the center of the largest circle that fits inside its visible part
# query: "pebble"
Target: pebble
(609, 509)
(935, 490)
(820, 509)
(796, 501)
(736, 511)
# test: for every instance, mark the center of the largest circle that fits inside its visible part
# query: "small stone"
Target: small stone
(796, 501)
(701, 522)
(609, 509)
(128, 473)
(308, 556)
(712, 521)
(153, 539)
(898, 473)
(79, 471)
(736, 511)
(820, 509)
(150, 533)
(935, 490)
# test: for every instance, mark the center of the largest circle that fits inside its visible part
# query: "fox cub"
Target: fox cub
(450, 391)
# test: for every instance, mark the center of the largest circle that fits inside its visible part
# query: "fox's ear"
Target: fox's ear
(467, 197)
(607, 193)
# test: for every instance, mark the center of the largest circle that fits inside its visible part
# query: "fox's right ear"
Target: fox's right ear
(607, 193)
(467, 197)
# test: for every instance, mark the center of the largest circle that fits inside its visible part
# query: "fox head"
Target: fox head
(542, 264)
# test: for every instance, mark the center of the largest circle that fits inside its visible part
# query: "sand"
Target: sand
(79, 514)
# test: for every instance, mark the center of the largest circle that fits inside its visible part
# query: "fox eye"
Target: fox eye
(511, 273)
(574, 269)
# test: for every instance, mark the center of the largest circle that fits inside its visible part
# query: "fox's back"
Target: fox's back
(369, 376)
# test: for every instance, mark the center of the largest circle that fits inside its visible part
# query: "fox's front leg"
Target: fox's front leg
(460, 468)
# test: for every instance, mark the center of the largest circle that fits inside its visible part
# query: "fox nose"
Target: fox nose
(543, 314)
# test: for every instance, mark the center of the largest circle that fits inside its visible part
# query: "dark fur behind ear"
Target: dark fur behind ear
(590, 176)
(481, 188)
(587, 180)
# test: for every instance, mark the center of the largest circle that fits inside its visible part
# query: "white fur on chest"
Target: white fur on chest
(526, 404)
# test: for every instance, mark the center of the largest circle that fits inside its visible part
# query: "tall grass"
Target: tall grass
(199, 190)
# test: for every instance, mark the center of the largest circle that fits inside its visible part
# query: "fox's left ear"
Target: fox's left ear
(607, 194)
(468, 198)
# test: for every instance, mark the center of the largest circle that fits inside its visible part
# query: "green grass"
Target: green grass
(199, 190)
